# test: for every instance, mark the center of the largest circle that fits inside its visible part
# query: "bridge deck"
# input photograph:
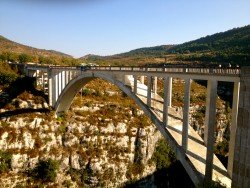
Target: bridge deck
(196, 151)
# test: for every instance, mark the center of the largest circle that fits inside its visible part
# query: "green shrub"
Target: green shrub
(163, 155)
(46, 170)
(5, 161)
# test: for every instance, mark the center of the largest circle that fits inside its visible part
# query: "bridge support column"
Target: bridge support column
(50, 83)
(149, 79)
(155, 85)
(233, 128)
(210, 120)
(56, 86)
(63, 80)
(43, 82)
(241, 164)
(142, 79)
(135, 84)
(169, 98)
(186, 114)
(166, 101)
(66, 77)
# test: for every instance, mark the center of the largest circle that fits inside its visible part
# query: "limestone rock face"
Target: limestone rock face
(101, 146)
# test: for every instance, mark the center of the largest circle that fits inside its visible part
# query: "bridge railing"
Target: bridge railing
(219, 71)
(193, 70)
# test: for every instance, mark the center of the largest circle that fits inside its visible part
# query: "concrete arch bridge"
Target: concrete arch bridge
(62, 83)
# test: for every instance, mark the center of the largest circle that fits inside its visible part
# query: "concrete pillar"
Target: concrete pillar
(135, 84)
(210, 120)
(169, 98)
(70, 75)
(149, 78)
(142, 79)
(59, 77)
(63, 79)
(233, 128)
(241, 163)
(165, 105)
(155, 85)
(42, 80)
(56, 86)
(66, 77)
(186, 114)
(50, 87)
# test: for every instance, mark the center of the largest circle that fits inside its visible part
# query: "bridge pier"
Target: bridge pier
(142, 79)
(50, 86)
(149, 79)
(233, 128)
(166, 100)
(241, 163)
(155, 85)
(186, 114)
(135, 84)
(210, 120)
(169, 98)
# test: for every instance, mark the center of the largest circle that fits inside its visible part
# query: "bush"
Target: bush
(7, 75)
(163, 155)
(46, 170)
(5, 161)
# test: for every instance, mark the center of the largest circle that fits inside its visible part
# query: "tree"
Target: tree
(5, 161)
(46, 170)
(24, 58)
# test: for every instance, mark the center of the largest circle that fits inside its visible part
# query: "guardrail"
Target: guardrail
(169, 69)
(220, 71)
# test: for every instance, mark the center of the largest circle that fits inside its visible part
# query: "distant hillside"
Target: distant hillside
(234, 40)
(232, 46)
(15, 52)
(7, 45)
(149, 51)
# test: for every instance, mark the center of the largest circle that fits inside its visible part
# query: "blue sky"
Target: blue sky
(106, 27)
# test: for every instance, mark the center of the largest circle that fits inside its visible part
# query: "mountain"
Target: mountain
(232, 46)
(149, 51)
(236, 40)
(7, 45)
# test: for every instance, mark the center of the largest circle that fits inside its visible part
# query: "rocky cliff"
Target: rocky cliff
(99, 142)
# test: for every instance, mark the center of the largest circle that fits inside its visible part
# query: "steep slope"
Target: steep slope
(232, 46)
(236, 40)
(7, 45)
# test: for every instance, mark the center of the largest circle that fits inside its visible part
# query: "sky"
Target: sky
(106, 27)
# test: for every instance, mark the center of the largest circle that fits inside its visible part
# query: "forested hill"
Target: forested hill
(235, 40)
(149, 51)
(15, 52)
(232, 46)
(7, 45)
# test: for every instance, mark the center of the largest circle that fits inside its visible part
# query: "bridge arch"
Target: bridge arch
(67, 95)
